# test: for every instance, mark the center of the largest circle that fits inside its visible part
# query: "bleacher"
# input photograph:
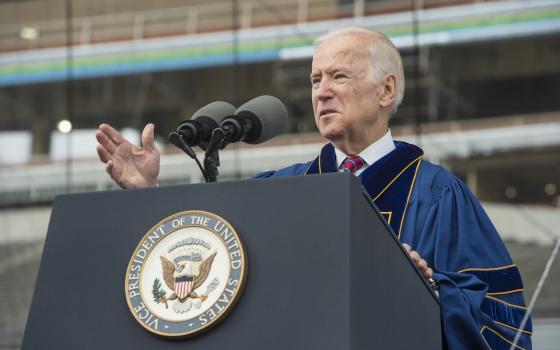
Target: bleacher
(19, 263)
(105, 21)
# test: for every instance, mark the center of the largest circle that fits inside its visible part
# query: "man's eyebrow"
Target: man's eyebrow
(330, 71)
(342, 69)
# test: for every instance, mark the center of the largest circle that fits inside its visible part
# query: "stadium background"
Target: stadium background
(482, 98)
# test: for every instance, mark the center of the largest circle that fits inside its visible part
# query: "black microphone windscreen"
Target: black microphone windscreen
(270, 112)
(213, 113)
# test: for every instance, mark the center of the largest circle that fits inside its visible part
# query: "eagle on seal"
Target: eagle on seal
(183, 280)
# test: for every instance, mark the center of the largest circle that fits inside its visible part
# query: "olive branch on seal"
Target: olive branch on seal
(158, 292)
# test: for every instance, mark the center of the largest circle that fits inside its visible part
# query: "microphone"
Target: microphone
(256, 121)
(198, 130)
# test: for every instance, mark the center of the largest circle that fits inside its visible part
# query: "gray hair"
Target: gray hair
(385, 57)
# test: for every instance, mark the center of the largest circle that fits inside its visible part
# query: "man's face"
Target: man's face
(344, 94)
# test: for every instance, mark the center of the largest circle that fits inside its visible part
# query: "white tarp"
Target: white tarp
(15, 147)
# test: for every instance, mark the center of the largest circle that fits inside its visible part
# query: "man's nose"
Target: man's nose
(324, 90)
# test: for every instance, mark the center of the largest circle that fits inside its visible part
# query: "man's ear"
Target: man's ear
(388, 90)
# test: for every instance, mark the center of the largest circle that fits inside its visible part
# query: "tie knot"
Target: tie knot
(352, 164)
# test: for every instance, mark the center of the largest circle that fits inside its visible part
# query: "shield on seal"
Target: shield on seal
(183, 286)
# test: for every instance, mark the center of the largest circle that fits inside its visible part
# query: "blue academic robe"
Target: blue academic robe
(480, 289)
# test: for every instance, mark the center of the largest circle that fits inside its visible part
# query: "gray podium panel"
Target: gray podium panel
(324, 271)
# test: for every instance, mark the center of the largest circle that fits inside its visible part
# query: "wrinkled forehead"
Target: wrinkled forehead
(342, 51)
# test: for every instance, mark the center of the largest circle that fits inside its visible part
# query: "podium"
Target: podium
(324, 270)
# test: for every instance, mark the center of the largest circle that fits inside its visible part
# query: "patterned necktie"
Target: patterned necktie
(352, 164)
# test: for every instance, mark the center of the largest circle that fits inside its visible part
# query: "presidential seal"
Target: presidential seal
(186, 274)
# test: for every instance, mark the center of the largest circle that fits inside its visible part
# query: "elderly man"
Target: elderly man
(357, 83)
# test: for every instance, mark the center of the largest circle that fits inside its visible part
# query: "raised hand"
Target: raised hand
(128, 165)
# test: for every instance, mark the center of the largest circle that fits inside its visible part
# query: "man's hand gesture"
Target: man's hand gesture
(128, 165)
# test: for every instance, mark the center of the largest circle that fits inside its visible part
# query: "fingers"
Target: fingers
(103, 154)
(112, 134)
(424, 269)
(422, 265)
(415, 257)
(109, 168)
(105, 141)
(148, 137)
(429, 273)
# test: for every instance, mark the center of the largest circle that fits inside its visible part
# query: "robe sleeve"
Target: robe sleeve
(480, 289)
(293, 170)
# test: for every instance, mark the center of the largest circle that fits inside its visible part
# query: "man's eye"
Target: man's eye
(340, 76)
(315, 82)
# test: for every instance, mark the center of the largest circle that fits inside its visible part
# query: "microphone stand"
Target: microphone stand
(212, 155)
(178, 141)
(231, 130)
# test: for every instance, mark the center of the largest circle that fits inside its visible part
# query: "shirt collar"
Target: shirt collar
(371, 153)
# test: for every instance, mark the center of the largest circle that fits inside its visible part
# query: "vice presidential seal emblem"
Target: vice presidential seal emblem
(186, 274)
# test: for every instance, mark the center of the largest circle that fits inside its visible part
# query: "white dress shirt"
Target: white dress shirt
(371, 153)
